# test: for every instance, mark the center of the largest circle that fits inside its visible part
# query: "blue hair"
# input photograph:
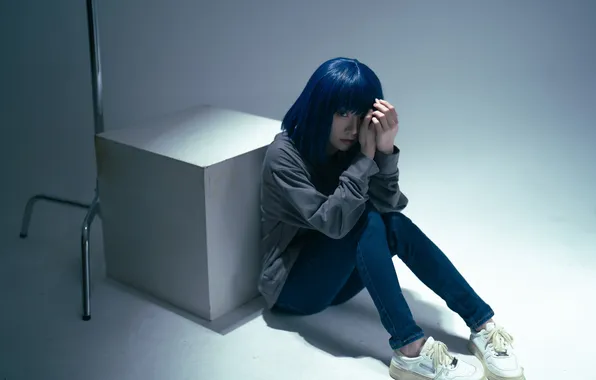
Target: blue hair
(338, 85)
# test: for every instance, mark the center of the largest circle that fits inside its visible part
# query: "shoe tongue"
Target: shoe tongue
(427, 346)
(490, 326)
(428, 343)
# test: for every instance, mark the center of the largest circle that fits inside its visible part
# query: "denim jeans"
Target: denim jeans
(332, 271)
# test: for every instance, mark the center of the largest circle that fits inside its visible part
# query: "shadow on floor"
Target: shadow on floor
(354, 329)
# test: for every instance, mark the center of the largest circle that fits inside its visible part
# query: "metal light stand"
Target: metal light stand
(93, 208)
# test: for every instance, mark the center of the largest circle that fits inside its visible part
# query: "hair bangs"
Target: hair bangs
(355, 95)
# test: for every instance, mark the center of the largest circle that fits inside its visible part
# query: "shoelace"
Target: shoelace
(500, 339)
(439, 355)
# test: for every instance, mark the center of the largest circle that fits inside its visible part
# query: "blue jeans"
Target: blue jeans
(332, 271)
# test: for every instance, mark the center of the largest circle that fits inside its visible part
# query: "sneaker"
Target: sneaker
(493, 346)
(434, 363)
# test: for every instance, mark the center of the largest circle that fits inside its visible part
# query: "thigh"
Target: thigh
(323, 274)
(353, 286)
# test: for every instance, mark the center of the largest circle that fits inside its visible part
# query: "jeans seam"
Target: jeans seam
(374, 291)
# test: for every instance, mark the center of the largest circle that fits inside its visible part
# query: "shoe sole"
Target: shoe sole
(400, 374)
(489, 375)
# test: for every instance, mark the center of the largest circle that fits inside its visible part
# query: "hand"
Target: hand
(386, 125)
(367, 136)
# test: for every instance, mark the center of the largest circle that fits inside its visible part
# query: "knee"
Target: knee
(373, 224)
(370, 218)
(396, 221)
(374, 219)
(390, 221)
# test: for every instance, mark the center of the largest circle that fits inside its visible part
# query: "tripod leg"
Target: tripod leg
(85, 248)
(48, 198)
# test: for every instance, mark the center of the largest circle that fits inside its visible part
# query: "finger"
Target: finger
(390, 108)
(361, 138)
(378, 128)
(380, 106)
(385, 111)
(364, 128)
(386, 104)
(382, 118)
(366, 120)
(390, 114)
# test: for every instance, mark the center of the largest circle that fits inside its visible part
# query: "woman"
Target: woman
(332, 221)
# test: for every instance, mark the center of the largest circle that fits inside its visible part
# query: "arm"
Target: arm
(384, 191)
(334, 215)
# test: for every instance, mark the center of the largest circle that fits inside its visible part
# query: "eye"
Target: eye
(343, 114)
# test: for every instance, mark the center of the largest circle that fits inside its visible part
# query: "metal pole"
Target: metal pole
(94, 54)
(93, 208)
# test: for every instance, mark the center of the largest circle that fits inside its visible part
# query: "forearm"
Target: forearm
(333, 215)
(384, 190)
(387, 162)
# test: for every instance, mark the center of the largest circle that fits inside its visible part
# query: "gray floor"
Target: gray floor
(536, 273)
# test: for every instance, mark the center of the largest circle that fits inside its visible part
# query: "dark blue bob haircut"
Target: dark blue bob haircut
(338, 85)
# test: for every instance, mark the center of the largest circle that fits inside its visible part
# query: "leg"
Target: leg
(323, 275)
(85, 260)
(352, 287)
(39, 197)
(435, 270)
(375, 266)
(331, 271)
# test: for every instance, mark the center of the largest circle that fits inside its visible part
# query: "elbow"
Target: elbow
(352, 222)
(339, 223)
(395, 199)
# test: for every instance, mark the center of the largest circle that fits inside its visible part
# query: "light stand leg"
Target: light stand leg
(85, 248)
(93, 208)
(48, 198)
(92, 211)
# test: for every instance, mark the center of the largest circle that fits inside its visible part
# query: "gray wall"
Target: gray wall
(496, 99)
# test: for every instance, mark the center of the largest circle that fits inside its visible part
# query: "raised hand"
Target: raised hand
(367, 136)
(386, 125)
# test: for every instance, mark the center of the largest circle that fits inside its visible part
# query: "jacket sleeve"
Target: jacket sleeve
(384, 191)
(334, 215)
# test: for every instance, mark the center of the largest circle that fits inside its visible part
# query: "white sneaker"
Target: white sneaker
(493, 346)
(434, 363)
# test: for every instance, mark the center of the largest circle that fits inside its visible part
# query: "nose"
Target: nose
(353, 127)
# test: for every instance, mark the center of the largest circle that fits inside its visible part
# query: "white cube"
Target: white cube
(179, 201)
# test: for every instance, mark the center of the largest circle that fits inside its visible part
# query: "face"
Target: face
(344, 131)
